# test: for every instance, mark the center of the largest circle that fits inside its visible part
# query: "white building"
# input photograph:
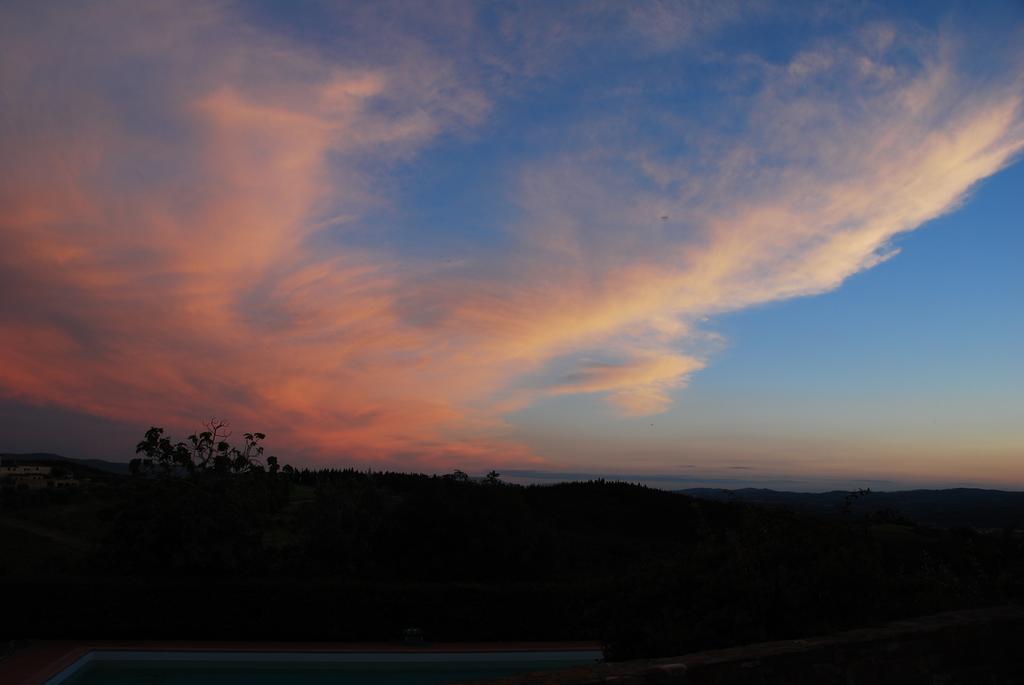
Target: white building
(25, 471)
(34, 477)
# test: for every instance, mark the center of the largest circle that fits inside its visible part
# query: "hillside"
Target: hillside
(352, 555)
(96, 465)
(950, 508)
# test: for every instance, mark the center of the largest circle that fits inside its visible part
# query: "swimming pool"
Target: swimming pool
(110, 667)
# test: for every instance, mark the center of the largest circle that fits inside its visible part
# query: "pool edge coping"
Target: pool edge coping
(52, 662)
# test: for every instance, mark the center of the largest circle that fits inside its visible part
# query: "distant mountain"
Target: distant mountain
(952, 508)
(114, 467)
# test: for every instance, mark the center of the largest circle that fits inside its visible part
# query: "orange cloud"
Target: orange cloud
(174, 212)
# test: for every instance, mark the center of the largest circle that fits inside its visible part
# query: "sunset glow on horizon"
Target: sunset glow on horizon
(525, 236)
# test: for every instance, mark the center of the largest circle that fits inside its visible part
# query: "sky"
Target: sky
(693, 243)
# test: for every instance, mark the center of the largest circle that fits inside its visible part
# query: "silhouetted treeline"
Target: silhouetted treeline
(355, 555)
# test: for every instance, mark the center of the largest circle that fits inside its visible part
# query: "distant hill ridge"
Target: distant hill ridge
(948, 508)
(114, 467)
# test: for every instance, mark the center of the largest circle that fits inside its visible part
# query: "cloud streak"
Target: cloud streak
(184, 232)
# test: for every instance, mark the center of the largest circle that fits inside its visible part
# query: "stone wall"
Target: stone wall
(977, 647)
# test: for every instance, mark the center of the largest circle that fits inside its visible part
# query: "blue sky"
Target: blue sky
(919, 354)
(766, 241)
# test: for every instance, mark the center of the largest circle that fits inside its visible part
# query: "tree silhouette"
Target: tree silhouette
(205, 452)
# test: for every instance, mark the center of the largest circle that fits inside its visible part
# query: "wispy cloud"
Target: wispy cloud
(171, 248)
(638, 386)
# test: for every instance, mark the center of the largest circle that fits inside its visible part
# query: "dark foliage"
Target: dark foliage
(214, 544)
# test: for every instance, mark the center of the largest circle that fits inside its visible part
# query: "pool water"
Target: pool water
(308, 669)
